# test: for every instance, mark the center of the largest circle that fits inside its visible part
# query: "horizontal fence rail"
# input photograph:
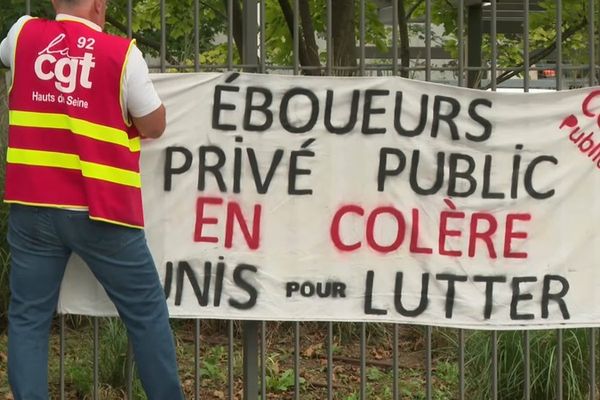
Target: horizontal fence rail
(253, 367)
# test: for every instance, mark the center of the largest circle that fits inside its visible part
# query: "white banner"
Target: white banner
(370, 199)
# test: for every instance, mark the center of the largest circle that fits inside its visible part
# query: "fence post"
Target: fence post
(474, 43)
(250, 335)
(250, 29)
(250, 375)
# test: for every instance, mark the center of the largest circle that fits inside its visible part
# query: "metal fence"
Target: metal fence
(482, 29)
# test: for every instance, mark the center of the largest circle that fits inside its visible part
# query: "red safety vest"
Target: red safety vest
(69, 145)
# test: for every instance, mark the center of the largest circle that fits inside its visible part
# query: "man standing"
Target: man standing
(78, 100)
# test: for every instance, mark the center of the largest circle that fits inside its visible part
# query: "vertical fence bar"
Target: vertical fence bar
(263, 358)
(296, 360)
(329, 360)
(229, 35)
(196, 359)
(494, 356)
(129, 369)
(461, 42)
(527, 365)
(329, 42)
(591, 44)
(362, 36)
(395, 388)
(230, 360)
(263, 49)
(427, 40)
(461, 364)
(250, 360)
(61, 351)
(474, 44)
(494, 43)
(163, 36)
(395, 37)
(196, 35)
(592, 366)
(296, 37)
(249, 47)
(428, 363)
(526, 65)
(27, 7)
(96, 357)
(559, 364)
(250, 345)
(129, 18)
(558, 44)
(363, 361)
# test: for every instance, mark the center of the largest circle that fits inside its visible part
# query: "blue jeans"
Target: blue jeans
(41, 240)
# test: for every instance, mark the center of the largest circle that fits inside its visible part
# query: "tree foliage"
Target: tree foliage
(542, 35)
(213, 27)
(11, 10)
(212, 31)
(179, 22)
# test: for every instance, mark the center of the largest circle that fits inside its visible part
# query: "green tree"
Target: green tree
(212, 16)
(313, 25)
(13, 9)
(542, 36)
(179, 21)
(312, 17)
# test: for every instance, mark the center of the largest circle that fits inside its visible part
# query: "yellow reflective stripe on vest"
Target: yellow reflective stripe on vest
(71, 161)
(110, 174)
(78, 126)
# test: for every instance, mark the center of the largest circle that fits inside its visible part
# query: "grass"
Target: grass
(280, 376)
(543, 365)
(346, 373)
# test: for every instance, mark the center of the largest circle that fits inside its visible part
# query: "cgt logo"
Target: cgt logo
(588, 108)
(56, 63)
(586, 142)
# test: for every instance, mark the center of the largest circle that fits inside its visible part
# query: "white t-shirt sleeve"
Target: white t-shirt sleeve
(140, 97)
(7, 47)
(5, 53)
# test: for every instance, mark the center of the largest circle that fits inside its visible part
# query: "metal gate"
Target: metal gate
(480, 33)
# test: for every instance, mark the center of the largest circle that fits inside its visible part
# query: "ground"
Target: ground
(279, 362)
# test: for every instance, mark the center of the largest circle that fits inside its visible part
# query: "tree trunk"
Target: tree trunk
(404, 39)
(344, 38)
(238, 34)
(304, 57)
(308, 32)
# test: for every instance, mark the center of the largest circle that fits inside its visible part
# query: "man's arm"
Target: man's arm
(143, 104)
(152, 125)
(8, 44)
(4, 54)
